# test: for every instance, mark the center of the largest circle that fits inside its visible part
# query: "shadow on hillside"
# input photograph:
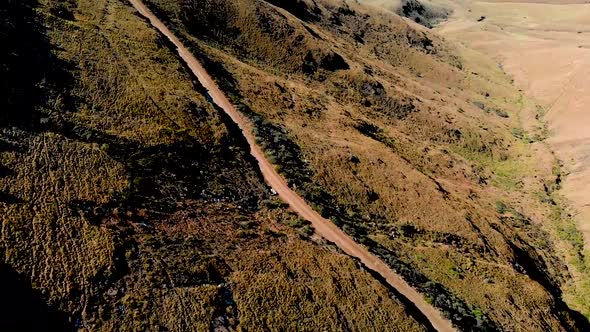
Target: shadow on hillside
(23, 309)
(34, 83)
(164, 176)
(29, 79)
(29, 73)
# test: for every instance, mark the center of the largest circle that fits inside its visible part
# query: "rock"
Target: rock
(112, 292)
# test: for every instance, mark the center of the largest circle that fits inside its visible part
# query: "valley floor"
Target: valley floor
(545, 46)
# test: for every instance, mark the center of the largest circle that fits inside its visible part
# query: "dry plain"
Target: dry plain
(545, 46)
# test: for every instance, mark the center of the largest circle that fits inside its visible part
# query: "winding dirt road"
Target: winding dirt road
(323, 227)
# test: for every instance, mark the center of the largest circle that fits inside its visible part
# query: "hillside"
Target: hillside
(130, 202)
(547, 52)
(423, 12)
(410, 144)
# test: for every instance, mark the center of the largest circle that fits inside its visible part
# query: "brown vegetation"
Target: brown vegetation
(128, 203)
(393, 149)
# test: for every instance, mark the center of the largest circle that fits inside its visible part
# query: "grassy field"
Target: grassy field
(412, 145)
(129, 203)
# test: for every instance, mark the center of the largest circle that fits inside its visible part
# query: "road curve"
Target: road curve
(323, 226)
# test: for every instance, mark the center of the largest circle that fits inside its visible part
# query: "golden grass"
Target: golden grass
(433, 161)
(129, 204)
(286, 278)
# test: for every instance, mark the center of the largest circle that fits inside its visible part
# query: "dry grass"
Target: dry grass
(286, 278)
(395, 151)
(128, 204)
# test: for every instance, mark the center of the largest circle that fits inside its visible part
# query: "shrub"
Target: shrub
(501, 113)
(501, 207)
(308, 230)
(518, 133)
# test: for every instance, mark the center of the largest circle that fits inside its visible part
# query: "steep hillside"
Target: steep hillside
(129, 202)
(411, 145)
(423, 12)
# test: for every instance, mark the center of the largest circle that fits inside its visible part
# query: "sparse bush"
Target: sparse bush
(479, 105)
(501, 113)
(308, 230)
(63, 8)
(518, 133)
(501, 207)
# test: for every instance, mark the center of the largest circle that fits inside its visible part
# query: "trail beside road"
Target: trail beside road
(323, 227)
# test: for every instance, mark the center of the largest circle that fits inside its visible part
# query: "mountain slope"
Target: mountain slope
(545, 52)
(323, 227)
(406, 142)
(129, 203)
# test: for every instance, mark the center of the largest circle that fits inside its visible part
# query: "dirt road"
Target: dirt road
(323, 227)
